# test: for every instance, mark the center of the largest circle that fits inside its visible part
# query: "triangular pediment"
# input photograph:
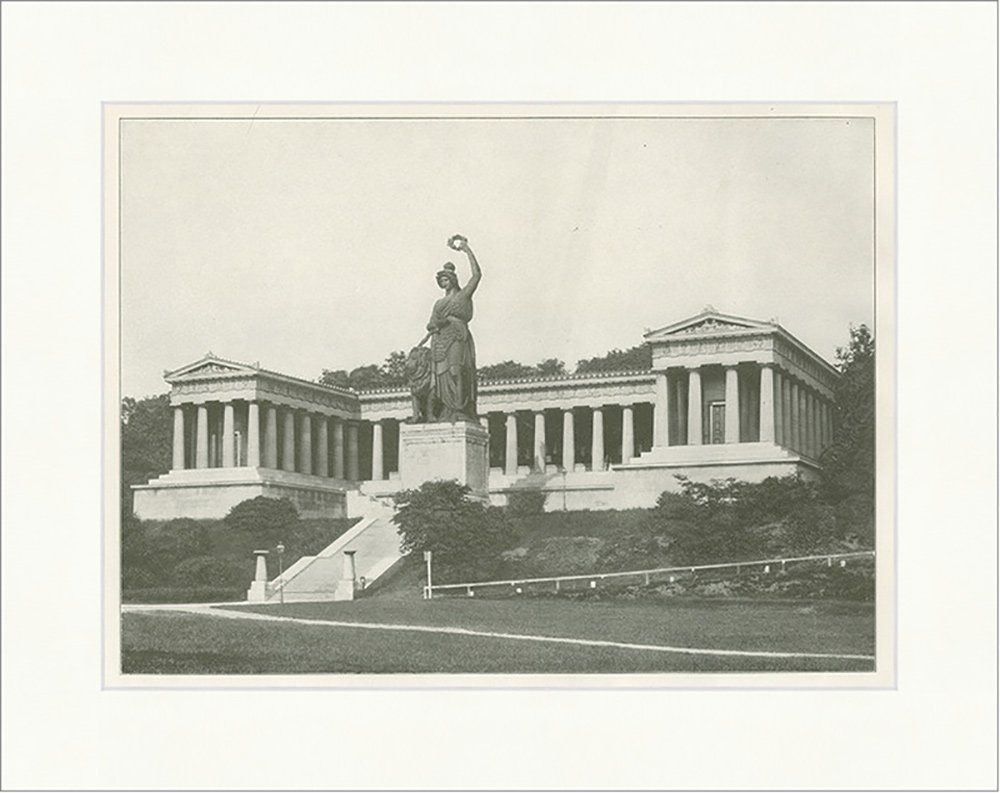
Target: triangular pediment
(209, 366)
(707, 323)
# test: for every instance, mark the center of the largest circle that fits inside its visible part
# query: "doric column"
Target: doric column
(779, 426)
(818, 424)
(288, 441)
(810, 441)
(322, 447)
(800, 424)
(794, 428)
(788, 431)
(228, 436)
(201, 437)
(377, 465)
(817, 435)
(539, 456)
(661, 412)
(399, 445)
(680, 412)
(352, 451)
(827, 435)
(271, 437)
(694, 407)
(767, 403)
(628, 433)
(804, 419)
(810, 423)
(253, 435)
(597, 440)
(305, 444)
(569, 441)
(338, 448)
(732, 430)
(510, 458)
(824, 440)
(178, 457)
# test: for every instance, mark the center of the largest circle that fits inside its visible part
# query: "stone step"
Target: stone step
(375, 543)
(712, 454)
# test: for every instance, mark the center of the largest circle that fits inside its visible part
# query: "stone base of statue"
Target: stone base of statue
(443, 450)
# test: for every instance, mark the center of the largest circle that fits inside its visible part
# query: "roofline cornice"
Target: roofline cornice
(248, 370)
(513, 383)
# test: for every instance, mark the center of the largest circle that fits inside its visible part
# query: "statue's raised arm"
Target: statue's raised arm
(460, 243)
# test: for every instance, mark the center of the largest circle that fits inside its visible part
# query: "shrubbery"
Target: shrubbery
(207, 559)
(208, 571)
(526, 502)
(465, 535)
(267, 521)
(727, 520)
(856, 582)
(635, 552)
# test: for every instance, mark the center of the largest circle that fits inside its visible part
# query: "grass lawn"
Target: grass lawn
(183, 643)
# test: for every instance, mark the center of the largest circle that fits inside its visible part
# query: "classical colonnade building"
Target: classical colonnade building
(726, 397)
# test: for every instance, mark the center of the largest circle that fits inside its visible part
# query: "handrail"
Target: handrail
(681, 569)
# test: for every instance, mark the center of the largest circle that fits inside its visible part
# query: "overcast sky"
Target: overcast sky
(313, 244)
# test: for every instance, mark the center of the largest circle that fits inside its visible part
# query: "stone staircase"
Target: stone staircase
(374, 541)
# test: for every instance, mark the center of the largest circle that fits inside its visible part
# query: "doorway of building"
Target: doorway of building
(717, 422)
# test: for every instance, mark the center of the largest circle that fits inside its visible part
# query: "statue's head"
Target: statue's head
(446, 276)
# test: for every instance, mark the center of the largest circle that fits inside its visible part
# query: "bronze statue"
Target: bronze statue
(451, 395)
(418, 377)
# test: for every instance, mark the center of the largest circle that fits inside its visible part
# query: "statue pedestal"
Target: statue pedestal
(445, 451)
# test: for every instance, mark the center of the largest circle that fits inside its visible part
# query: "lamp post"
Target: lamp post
(281, 573)
(427, 558)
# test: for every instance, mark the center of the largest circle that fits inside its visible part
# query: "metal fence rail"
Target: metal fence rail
(764, 566)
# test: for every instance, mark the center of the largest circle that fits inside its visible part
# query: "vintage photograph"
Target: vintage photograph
(580, 393)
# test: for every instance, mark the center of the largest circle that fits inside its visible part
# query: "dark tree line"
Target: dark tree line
(392, 372)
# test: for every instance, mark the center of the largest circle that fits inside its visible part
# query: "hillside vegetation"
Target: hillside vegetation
(205, 560)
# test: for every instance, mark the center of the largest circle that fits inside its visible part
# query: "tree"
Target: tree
(395, 368)
(390, 374)
(849, 462)
(366, 377)
(702, 522)
(505, 370)
(146, 442)
(267, 521)
(728, 519)
(551, 367)
(147, 434)
(335, 377)
(636, 358)
(466, 536)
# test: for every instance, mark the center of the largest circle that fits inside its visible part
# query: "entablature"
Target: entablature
(534, 393)
(214, 379)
